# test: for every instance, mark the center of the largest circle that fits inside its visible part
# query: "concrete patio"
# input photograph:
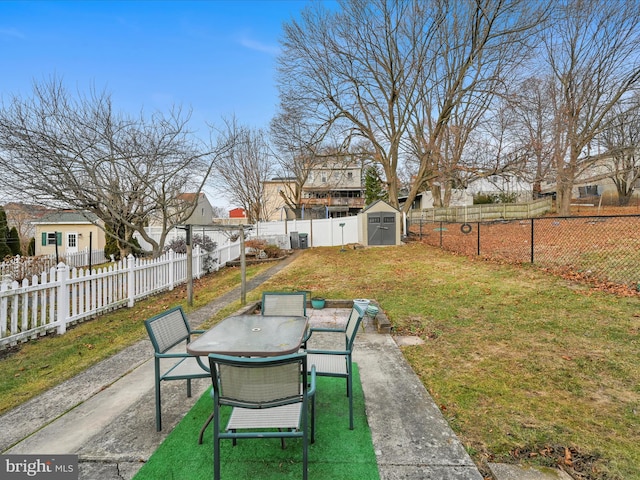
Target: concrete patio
(106, 415)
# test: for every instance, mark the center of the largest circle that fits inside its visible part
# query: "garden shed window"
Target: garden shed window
(51, 238)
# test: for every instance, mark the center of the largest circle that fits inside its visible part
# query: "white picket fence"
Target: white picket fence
(82, 258)
(19, 267)
(65, 295)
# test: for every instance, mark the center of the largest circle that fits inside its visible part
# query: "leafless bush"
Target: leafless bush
(18, 268)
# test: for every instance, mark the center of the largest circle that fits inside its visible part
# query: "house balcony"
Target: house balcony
(349, 202)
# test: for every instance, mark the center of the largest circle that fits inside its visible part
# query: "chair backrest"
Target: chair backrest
(284, 303)
(168, 329)
(355, 317)
(258, 382)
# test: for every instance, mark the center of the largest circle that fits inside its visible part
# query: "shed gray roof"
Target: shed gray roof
(369, 207)
(68, 216)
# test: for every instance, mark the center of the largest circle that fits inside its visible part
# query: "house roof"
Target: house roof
(68, 216)
(190, 197)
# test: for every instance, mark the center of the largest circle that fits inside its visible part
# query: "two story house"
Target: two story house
(333, 189)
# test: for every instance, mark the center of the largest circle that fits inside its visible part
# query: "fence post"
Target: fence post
(478, 228)
(532, 222)
(171, 255)
(131, 280)
(4, 286)
(198, 258)
(62, 311)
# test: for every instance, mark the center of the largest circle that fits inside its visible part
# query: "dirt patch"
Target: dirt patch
(578, 464)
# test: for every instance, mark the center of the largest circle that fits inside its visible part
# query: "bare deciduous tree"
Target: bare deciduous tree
(296, 143)
(395, 73)
(243, 170)
(531, 107)
(77, 152)
(621, 139)
(355, 71)
(593, 54)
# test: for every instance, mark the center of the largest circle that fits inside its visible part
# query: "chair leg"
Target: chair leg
(350, 394)
(305, 454)
(204, 427)
(158, 407)
(313, 419)
(189, 387)
(216, 446)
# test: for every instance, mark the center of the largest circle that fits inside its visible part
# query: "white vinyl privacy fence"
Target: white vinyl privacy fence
(64, 295)
(324, 232)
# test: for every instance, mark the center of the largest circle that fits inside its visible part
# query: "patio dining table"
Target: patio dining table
(250, 336)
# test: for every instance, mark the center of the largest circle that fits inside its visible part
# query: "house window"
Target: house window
(350, 176)
(51, 238)
(324, 178)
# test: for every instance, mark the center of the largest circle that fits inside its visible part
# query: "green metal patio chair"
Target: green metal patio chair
(337, 363)
(166, 331)
(284, 303)
(266, 393)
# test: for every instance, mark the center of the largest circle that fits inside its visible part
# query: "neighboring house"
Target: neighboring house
(594, 183)
(502, 184)
(275, 207)
(337, 187)
(333, 189)
(459, 198)
(70, 231)
(203, 213)
(237, 213)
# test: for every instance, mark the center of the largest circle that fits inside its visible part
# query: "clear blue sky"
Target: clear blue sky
(216, 57)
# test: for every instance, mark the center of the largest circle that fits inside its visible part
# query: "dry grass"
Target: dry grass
(525, 367)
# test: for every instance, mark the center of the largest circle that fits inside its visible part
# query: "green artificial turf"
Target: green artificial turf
(338, 453)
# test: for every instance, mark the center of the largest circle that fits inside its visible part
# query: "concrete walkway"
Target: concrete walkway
(106, 414)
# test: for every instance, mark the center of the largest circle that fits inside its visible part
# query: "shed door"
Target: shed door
(381, 228)
(72, 243)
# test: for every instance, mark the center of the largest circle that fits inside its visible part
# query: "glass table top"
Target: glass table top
(252, 336)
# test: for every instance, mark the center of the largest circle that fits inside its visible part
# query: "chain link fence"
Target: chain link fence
(600, 248)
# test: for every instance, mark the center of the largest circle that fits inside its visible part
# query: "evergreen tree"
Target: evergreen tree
(111, 244)
(31, 249)
(4, 233)
(373, 188)
(13, 241)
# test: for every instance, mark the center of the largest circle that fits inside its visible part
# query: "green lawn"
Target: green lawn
(526, 367)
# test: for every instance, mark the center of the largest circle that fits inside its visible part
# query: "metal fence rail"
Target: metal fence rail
(602, 248)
